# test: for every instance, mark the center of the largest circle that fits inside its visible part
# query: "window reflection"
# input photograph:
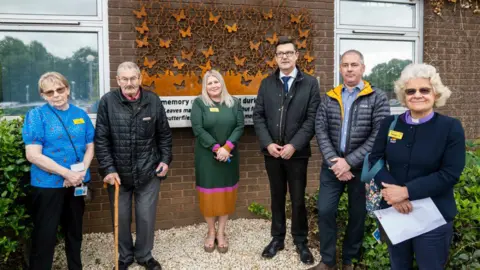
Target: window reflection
(25, 56)
(49, 7)
(383, 14)
(384, 61)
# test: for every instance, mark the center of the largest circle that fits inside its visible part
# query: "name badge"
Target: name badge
(147, 119)
(78, 121)
(80, 191)
(214, 110)
(78, 167)
(395, 134)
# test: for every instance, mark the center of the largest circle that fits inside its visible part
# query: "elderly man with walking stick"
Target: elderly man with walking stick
(134, 149)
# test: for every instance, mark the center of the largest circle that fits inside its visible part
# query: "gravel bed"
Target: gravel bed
(182, 248)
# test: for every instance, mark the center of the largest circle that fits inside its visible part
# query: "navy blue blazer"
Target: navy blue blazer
(428, 160)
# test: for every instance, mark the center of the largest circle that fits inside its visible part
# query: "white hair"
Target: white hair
(128, 66)
(225, 97)
(414, 71)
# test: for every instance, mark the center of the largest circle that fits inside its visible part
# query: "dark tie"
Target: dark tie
(285, 83)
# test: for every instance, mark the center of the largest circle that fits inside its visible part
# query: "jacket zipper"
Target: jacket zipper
(347, 142)
(282, 109)
(281, 121)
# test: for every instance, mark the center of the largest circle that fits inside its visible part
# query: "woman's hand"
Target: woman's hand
(403, 207)
(222, 154)
(394, 194)
(73, 179)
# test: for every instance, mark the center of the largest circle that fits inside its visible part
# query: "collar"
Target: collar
(293, 74)
(410, 120)
(357, 88)
(137, 96)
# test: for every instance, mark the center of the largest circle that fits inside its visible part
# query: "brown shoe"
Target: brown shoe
(322, 266)
(348, 267)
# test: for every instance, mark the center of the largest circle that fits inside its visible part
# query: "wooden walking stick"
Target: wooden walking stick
(115, 223)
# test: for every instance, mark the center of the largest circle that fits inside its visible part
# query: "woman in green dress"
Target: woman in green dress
(217, 123)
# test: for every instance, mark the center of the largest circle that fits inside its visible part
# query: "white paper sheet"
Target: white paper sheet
(399, 227)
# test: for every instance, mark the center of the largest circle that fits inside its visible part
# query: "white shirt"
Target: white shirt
(292, 75)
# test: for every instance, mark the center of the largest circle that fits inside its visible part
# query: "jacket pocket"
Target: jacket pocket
(146, 127)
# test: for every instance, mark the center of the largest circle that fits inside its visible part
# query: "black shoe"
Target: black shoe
(151, 264)
(305, 255)
(271, 250)
(123, 265)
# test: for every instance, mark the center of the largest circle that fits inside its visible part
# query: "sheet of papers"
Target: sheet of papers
(399, 227)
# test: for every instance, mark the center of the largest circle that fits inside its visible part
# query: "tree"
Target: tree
(22, 65)
(385, 74)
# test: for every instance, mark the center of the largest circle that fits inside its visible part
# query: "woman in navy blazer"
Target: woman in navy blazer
(425, 158)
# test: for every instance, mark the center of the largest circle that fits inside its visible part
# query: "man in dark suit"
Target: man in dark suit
(284, 118)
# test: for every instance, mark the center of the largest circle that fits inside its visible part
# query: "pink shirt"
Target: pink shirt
(132, 98)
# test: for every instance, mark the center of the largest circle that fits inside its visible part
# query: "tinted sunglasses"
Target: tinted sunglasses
(59, 91)
(423, 91)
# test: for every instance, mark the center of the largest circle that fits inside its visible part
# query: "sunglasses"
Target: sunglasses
(423, 91)
(59, 91)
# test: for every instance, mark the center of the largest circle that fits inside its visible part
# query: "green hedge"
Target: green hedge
(15, 223)
(465, 248)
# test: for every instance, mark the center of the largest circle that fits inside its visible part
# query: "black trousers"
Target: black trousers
(52, 207)
(294, 173)
(328, 198)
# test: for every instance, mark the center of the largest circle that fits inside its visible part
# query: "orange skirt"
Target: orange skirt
(215, 202)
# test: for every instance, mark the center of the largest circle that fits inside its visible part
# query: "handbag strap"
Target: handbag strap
(368, 174)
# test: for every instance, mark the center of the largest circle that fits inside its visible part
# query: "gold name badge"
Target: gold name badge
(214, 110)
(78, 121)
(395, 134)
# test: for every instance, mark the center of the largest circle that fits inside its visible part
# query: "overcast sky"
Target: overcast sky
(59, 44)
(378, 51)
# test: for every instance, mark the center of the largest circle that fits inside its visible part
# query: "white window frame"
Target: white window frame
(74, 24)
(102, 12)
(380, 33)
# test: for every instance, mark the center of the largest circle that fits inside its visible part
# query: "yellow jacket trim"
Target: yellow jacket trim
(336, 93)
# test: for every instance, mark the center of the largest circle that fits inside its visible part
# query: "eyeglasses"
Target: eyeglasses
(423, 91)
(126, 80)
(59, 91)
(282, 54)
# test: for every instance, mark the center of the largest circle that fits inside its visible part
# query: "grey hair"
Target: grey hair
(52, 77)
(354, 52)
(128, 66)
(225, 97)
(414, 71)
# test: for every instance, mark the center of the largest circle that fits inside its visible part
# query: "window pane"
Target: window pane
(49, 7)
(379, 14)
(384, 61)
(25, 56)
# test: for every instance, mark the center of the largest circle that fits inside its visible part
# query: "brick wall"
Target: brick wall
(178, 203)
(452, 44)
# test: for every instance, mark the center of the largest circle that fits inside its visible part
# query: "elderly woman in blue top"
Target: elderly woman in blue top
(425, 159)
(59, 144)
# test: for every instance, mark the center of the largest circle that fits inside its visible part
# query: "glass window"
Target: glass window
(389, 34)
(50, 7)
(384, 61)
(382, 14)
(25, 56)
